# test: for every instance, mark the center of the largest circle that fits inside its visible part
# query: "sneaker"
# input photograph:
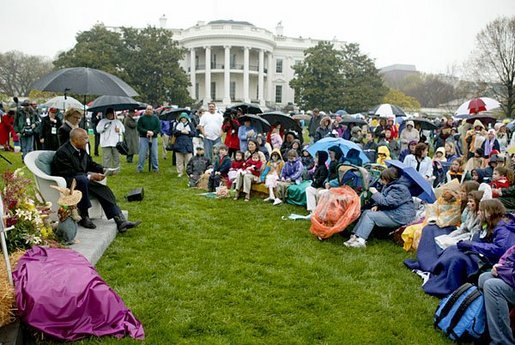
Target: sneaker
(277, 201)
(180, 175)
(352, 239)
(268, 199)
(237, 195)
(247, 197)
(357, 243)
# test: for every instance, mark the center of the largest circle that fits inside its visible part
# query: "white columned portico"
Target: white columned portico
(269, 74)
(207, 97)
(261, 78)
(246, 97)
(193, 74)
(227, 75)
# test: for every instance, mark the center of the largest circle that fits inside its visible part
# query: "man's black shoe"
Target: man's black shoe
(126, 225)
(86, 222)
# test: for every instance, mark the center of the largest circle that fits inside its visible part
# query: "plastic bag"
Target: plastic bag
(336, 210)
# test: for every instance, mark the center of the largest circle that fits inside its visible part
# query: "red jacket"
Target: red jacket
(253, 167)
(235, 165)
(502, 182)
(231, 138)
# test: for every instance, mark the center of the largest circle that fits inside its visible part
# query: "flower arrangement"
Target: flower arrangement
(29, 217)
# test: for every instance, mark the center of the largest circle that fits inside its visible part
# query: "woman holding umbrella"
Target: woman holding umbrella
(393, 208)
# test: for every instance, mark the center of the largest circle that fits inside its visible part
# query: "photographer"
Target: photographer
(25, 123)
(111, 130)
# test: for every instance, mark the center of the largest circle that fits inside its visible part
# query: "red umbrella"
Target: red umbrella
(476, 105)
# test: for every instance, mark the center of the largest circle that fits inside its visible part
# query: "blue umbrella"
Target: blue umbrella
(419, 186)
(345, 145)
(341, 112)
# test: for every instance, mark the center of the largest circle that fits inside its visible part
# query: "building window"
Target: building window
(213, 90)
(279, 66)
(213, 61)
(196, 62)
(278, 94)
(232, 91)
(197, 90)
(233, 60)
(257, 92)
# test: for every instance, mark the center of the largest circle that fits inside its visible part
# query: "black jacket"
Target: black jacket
(68, 163)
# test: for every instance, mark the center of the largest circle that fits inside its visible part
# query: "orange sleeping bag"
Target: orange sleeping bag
(336, 209)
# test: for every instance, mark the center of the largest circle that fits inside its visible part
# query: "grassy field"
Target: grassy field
(207, 271)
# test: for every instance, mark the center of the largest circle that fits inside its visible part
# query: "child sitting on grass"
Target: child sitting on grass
(220, 169)
(272, 172)
(501, 178)
(291, 173)
(197, 166)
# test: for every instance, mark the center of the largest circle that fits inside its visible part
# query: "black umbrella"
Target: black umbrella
(347, 120)
(386, 110)
(485, 119)
(425, 124)
(173, 114)
(286, 121)
(84, 81)
(246, 108)
(259, 123)
(115, 102)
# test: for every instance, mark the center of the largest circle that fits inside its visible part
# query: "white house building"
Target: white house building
(233, 61)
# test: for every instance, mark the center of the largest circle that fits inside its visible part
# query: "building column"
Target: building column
(261, 78)
(246, 97)
(207, 96)
(269, 74)
(193, 75)
(227, 75)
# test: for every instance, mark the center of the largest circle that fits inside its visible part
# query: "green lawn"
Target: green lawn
(207, 271)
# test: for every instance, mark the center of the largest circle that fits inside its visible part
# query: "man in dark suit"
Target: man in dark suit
(71, 161)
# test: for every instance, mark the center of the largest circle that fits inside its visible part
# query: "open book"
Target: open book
(111, 171)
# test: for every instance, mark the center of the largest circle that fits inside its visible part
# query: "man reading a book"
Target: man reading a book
(71, 161)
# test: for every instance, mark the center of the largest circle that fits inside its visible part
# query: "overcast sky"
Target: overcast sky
(430, 34)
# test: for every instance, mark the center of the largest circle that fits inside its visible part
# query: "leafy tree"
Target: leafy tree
(363, 86)
(402, 100)
(429, 89)
(147, 59)
(97, 48)
(318, 81)
(18, 71)
(332, 79)
(494, 60)
(152, 64)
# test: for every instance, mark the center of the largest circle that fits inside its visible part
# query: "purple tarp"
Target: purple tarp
(59, 293)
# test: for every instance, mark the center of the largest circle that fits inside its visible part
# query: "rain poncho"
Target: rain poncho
(382, 159)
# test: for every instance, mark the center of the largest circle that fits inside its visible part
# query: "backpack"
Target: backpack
(461, 315)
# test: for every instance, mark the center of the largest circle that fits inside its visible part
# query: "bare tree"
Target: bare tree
(18, 71)
(494, 60)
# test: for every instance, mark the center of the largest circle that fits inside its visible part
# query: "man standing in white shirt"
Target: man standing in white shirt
(211, 129)
(111, 130)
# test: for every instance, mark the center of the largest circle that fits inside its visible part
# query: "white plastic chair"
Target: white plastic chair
(39, 163)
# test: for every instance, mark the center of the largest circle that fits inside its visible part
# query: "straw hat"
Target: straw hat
(68, 196)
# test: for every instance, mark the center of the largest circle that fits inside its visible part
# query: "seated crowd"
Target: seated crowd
(470, 224)
(455, 236)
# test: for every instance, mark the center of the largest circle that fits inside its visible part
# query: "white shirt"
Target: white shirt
(108, 135)
(212, 124)
(426, 165)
